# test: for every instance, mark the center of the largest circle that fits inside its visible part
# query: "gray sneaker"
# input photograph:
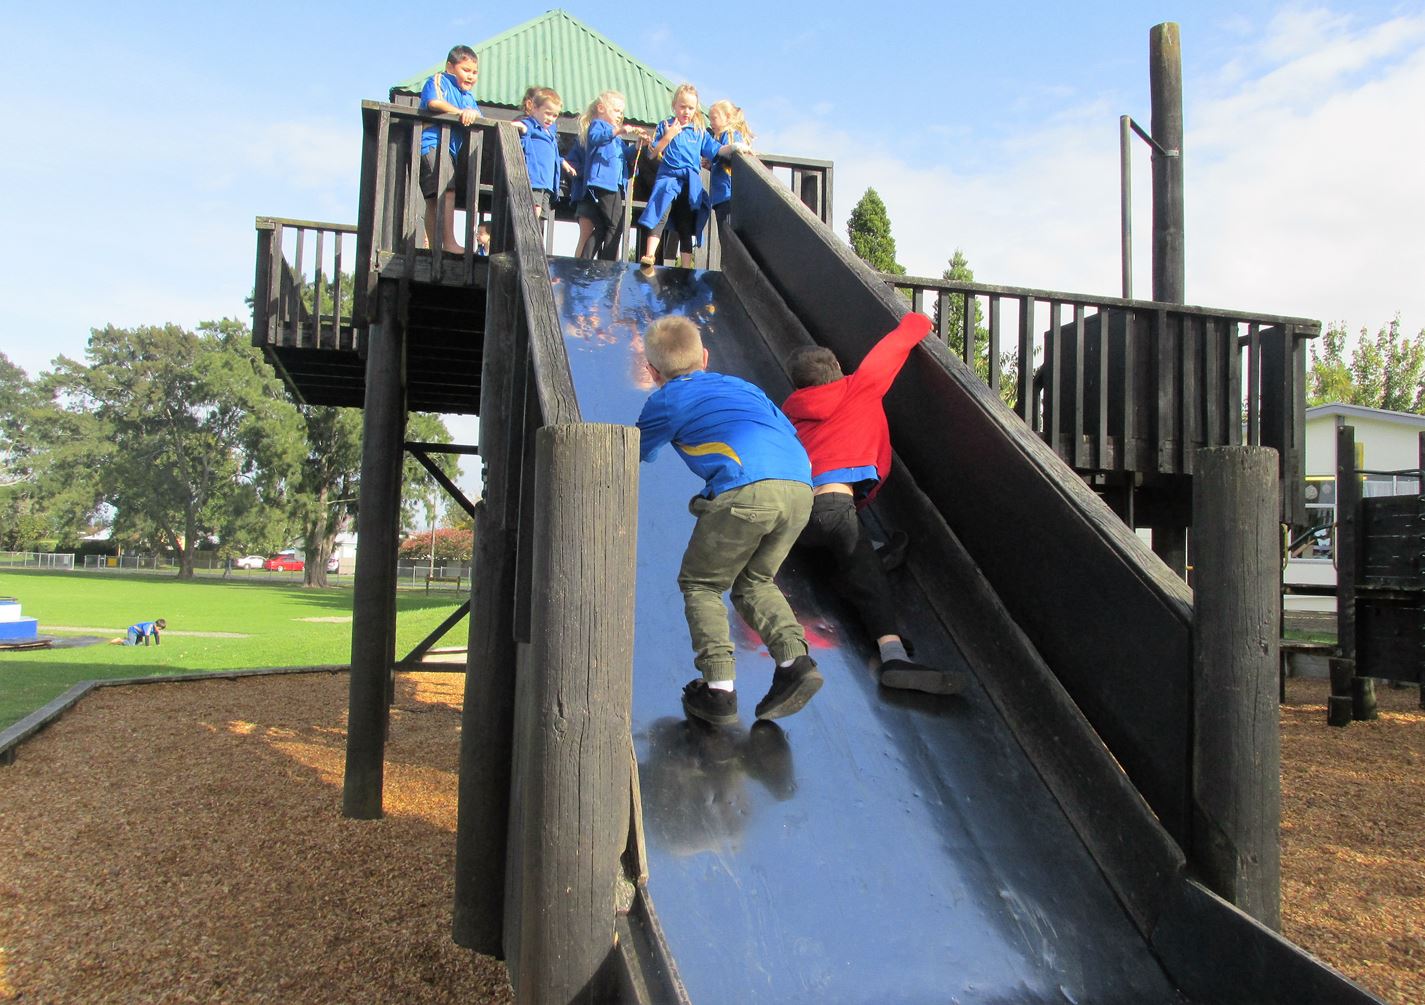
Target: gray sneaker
(904, 675)
(792, 688)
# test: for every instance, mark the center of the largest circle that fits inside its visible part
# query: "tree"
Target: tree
(1384, 372)
(870, 230)
(959, 271)
(323, 499)
(22, 522)
(452, 544)
(420, 493)
(184, 429)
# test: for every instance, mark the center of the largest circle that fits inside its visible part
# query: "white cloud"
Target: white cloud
(1302, 167)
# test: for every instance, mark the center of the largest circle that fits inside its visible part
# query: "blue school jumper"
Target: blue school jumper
(726, 430)
(445, 87)
(143, 630)
(720, 188)
(541, 154)
(680, 171)
(578, 160)
(607, 158)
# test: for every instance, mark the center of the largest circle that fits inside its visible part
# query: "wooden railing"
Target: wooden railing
(810, 180)
(1117, 385)
(392, 212)
(391, 217)
(303, 302)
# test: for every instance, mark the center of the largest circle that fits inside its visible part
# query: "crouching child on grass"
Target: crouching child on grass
(754, 506)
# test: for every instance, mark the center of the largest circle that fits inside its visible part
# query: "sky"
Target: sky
(145, 138)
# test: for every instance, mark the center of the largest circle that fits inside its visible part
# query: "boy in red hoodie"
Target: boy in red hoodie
(841, 422)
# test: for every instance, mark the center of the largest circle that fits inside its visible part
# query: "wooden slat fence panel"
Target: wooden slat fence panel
(1138, 385)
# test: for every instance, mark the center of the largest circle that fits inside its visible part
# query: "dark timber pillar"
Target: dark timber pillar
(1165, 71)
(1165, 74)
(1352, 696)
(378, 525)
(1236, 755)
(487, 724)
(572, 764)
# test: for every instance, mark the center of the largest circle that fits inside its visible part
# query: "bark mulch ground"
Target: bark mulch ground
(184, 843)
(1353, 838)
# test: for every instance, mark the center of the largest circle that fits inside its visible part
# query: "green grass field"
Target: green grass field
(273, 620)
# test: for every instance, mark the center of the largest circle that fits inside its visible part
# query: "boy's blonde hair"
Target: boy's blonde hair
(736, 121)
(592, 112)
(674, 346)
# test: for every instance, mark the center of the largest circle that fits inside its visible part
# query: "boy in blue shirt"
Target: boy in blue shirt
(754, 506)
(449, 92)
(144, 630)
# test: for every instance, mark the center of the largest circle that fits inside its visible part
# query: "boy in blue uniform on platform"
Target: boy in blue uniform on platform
(450, 92)
(754, 506)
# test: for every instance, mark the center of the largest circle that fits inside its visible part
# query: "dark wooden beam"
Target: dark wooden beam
(573, 712)
(378, 522)
(1165, 73)
(1236, 756)
(487, 723)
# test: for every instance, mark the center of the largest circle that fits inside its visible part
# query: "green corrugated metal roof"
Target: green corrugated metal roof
(558, 50)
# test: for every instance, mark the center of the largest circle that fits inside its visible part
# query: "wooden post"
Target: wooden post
(1236, 756)
(378, 523)
(1348, 530)
(570, 796)
(487, 724)
(1165, 74)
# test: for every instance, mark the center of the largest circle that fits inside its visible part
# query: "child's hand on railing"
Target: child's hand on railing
(468, 116)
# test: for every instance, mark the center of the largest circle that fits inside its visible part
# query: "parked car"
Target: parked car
(284, 563)
(249, 562)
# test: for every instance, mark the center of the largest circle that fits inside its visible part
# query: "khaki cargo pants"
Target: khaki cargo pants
(738, 544)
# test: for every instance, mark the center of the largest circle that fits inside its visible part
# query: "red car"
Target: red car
(284, 563)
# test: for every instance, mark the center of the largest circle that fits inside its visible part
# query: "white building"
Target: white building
(1388, 454)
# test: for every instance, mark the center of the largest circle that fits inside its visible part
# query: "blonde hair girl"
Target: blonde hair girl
(610, 148)
(729, 126)
(678, 201)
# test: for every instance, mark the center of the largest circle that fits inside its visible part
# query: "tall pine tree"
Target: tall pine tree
(870, 231)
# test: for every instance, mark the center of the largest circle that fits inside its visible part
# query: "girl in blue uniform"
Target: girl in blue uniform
(681, 144)
(729, 127)
(540, 141)
(610, 148)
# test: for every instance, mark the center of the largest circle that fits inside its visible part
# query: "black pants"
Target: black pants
(682, 218)
(858, 576)
(605, 210)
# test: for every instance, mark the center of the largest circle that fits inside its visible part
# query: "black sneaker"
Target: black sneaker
(792, 688)
(709, 704)
(907, 676)
(892, 553)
